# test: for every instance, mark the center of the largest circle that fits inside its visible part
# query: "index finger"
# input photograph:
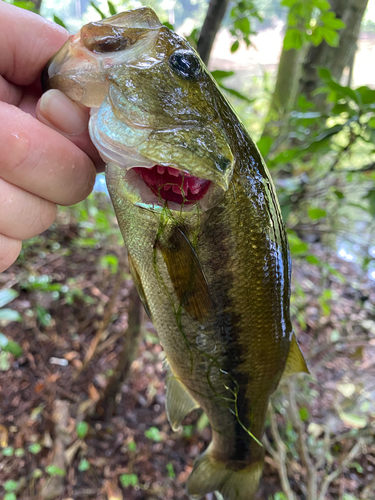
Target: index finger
(29, 41)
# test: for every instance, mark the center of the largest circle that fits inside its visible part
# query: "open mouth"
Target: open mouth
(173, 185)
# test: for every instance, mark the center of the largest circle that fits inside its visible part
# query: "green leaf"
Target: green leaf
(8, 451)
(304, 413)
(35, 448)
(316, 213)
(322, 5)
(235, 46)
(297, 246)
(293, 39)
(366, 94)
(313, 259)
(14, 349)
(82, 429)
(170, 469)
(128, 480)
(59, 21)
(339, 194)
(188, 431)
(24, 5)
(331, 37)
(154, 434)
(83, 465)
(371, 200)
(102, 15)
(132, 446)
(53, 470)
(316, 36)
(342, 91)
(242, 24)
(111, 8)
(7, 296)
(289, 3)
(43, 316)
(264, 145)
(219, 74)
(10, 485)
(169, 25)
(329, 19)
(4, 361)
(9, 315)
(10, 496)
(237, 94)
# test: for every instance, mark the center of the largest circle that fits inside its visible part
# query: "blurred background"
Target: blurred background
(81, 371)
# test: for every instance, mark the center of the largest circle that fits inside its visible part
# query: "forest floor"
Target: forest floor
(66, 284)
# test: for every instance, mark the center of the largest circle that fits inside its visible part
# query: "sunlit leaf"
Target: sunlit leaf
(154, 434)
(128, 480)
(293, 39)
(9, 315)
(53, 470)
(7, 296)
(59, 21)
(111, 8)
(102, 15)
(264, 144)
(235, 46)
(316, 213)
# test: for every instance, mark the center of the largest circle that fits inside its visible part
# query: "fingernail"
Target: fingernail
(62, 113)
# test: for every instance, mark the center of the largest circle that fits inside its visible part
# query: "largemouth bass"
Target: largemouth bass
(202, 225)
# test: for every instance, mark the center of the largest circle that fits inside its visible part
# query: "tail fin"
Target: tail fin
(211, 475)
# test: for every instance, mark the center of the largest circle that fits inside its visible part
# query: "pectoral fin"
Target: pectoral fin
(186, 275)
(178, 401)
(295, 362)
(138, 285)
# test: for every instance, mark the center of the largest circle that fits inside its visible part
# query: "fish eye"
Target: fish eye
(185, 64)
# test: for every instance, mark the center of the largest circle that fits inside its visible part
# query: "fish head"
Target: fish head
(155, 110)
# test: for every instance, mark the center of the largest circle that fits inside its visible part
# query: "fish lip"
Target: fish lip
(54, 65)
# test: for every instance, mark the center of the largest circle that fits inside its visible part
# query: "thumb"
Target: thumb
(71, 119)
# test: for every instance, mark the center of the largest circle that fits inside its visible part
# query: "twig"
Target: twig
(105, 321)
(281, 457)
(304, 452)
(331, 477)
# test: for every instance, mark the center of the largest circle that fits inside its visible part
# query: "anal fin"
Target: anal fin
(295, 362)
(178, 401)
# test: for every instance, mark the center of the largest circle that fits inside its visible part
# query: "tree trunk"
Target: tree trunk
(211, 25)
(333, 58)
(285, 93)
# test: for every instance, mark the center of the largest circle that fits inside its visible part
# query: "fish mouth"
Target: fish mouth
(173, 185)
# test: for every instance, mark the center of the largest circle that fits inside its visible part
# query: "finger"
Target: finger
(42, 161)
(9, 93)
(30, 41)
(9, 251)
(23, 215)
(59, 112)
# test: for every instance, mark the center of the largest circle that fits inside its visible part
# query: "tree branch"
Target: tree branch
(211, 25)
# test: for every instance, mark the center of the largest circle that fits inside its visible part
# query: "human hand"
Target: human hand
(46, 156)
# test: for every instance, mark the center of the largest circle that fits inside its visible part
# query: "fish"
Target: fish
(201, 222)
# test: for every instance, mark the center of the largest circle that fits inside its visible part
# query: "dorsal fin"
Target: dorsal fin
(186, 274)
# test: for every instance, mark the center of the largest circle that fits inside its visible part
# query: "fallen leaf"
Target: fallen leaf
(112, 491)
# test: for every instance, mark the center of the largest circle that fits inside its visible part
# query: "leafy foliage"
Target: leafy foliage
(311, 21)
